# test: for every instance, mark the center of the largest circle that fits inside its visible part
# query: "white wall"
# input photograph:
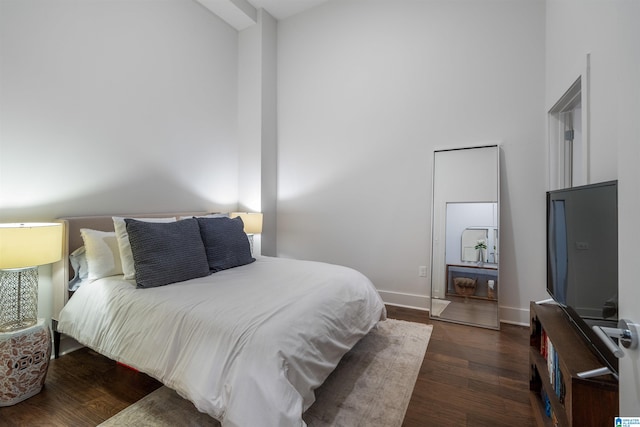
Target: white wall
(367, 91)
(609, 32)
(115, 107)
(628, 92)
(111, 106)
(590, 30)
(257, 134)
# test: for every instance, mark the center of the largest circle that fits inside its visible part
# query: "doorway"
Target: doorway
(567, 140)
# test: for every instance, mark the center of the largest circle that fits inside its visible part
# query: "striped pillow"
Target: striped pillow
(165, 253)
(226, 243)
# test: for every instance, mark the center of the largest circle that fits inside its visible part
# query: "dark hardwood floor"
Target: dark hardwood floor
(470, 377)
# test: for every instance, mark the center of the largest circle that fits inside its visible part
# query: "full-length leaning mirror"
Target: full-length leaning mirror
(465, 285)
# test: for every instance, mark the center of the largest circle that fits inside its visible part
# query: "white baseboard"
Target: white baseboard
(418, 302)
(515, 315)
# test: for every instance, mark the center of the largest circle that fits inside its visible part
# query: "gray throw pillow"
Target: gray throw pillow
(226, 243)
(166, 253)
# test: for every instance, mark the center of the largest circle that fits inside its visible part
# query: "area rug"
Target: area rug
(438, 306)
(372, 385)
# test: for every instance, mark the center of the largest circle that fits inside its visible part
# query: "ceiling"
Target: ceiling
(242, 14)
(281, 9)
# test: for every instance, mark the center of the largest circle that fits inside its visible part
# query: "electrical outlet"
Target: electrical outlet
(422, 271)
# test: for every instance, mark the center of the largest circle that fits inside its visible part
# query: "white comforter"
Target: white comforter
(247, 345)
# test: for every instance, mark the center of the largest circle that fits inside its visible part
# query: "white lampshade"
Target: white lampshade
(30, 244)
(252, 221)
(23, 247)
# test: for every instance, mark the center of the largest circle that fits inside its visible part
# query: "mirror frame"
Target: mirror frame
(438, 230)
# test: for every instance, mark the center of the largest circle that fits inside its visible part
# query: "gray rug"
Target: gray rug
(372, 385)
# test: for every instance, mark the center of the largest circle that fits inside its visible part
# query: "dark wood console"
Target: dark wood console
(557, 353)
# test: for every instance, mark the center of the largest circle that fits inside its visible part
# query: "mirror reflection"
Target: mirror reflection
(471, 230)
(465, 258)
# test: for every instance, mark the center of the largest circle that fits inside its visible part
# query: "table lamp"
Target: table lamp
(25, 340)
(23, 247)
(252, 224)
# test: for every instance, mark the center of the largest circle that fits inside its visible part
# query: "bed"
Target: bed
(247, 344)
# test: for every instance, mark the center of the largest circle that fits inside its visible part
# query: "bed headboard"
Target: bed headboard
(61, 270)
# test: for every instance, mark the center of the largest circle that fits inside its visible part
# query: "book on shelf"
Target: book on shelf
(547, 350)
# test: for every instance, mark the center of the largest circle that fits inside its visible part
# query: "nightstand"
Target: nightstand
(24, 361)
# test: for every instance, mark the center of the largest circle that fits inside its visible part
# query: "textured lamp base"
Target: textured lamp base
(18, 298)
(24, 361)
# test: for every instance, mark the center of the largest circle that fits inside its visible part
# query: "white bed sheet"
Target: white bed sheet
(247, 345)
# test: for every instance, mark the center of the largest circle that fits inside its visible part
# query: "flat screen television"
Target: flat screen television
(582, 258)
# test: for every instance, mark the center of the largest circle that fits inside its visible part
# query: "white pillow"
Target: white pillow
(212, 215)
(126, 257)
(78, 260)
(103, 255)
